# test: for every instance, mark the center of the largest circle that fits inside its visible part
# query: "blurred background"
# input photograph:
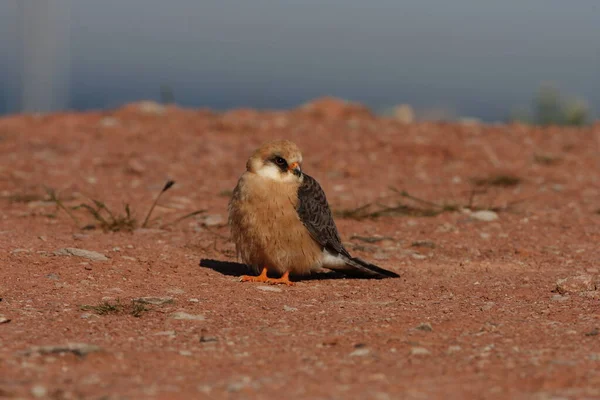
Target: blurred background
(533, 60)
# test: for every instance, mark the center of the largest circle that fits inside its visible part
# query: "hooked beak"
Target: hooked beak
(295, 169)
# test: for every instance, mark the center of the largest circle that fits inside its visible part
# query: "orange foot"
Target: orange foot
(285, 279)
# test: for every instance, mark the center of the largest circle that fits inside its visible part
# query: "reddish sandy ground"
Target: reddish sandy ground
(475, 314)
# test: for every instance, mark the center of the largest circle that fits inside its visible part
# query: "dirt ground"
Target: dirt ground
(480, 310)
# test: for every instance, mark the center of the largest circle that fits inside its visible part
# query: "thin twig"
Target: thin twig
(404, 193)
(59, 203)
(178, 220)
(167, 186)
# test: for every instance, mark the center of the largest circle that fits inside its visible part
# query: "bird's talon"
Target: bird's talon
(261, 278)
(284, 280)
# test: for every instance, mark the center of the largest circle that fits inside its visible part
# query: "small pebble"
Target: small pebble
(426, 326)
(578, 283)
(361, 352)
(484, 215)
(90, 255)
(423, 243)
(419, 351)
(268, 288)
(453, 349)
(213, 220)
(39, 391)
(185, 316)
(165, 333)
(17, 251)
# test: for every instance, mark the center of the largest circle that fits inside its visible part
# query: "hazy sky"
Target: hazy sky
(480, 58)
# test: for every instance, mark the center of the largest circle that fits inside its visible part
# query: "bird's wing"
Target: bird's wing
(314, 212)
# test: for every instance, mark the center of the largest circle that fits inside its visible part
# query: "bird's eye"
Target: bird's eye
(280, 161)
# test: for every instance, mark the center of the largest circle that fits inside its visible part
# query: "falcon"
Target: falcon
(281, 222)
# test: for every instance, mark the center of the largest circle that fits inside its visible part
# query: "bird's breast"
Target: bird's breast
(266, 228)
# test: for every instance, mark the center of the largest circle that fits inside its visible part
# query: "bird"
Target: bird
(281, 222)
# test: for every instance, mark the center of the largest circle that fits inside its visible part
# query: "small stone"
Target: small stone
(453, 349)
(484, 215)
(419, 351)
(193, 300)
(157, 301)
(423, 243)
(426, 327)
(208, 339)
(165, 333)
(579, 283)
(360, 352)
(561, 298)
(213, 220)
(136, 166)
(79, 349)
(487, 306)
(4, 320)
(288, 308)
(186, 353)
(39, 391)
(268, 288)
(418, 256)
(90, 255)
(185, 316)
(17, 251)
(176, 291)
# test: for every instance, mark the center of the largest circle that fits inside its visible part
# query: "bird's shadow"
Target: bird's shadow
(237, 269)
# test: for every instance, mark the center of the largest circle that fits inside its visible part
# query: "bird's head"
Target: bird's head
(280, 160)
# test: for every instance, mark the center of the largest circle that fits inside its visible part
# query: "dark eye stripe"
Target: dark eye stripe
(280, 162)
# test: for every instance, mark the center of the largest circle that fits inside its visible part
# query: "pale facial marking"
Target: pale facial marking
(271, 171)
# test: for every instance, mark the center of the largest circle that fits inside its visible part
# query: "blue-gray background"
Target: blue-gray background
(476, 58)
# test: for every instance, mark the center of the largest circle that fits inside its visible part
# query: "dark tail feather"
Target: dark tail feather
(360, 268)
